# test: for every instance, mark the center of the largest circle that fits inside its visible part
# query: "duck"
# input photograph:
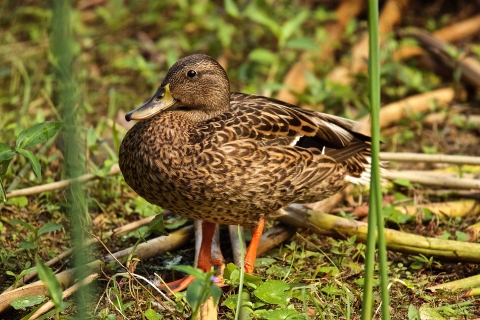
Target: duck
(231, 158)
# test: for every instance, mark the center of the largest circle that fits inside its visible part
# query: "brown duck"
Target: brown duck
(234, 158)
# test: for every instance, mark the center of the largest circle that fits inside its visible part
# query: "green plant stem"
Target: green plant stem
(61, 46)
(375, 218)
(241, 312)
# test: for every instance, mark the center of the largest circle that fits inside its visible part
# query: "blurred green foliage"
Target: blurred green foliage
(124, 48)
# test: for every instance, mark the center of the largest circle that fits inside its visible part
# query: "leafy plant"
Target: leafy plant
(39, 133)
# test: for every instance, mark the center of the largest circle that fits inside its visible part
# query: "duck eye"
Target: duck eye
(191, 73)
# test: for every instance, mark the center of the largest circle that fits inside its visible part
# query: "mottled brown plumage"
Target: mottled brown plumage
(233, 158)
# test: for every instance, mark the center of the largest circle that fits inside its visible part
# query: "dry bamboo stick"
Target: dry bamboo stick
(67, 293)
(432, 179)
(117, 231)
(395, 111)
(450, 33)
(396, 240)
(435, 158)
(466, 283)
(58, 185)
(143, 251)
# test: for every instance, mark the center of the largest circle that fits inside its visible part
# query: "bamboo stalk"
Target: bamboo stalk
(466, 283)
(396, 240)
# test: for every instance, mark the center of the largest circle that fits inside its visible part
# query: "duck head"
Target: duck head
(196, 85)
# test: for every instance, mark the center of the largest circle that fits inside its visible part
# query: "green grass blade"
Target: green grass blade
(375, 208)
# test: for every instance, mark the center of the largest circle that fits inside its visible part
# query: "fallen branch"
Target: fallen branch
(448, 209)
(67, 293)
(59, 184)
(454, 32)
(145, 250)
(427, 178)
(449, 55)
(395, 111)
(466, 283)
(431, 158)
(396, 240)
(120, 230)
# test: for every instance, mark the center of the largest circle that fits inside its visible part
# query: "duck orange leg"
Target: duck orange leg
(253, 246)
(204, 258)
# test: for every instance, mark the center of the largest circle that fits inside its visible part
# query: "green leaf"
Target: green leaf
(23, 224)
(413, 313)
(51, 282)
(20, 202)
(195, 296)
(4, 166)
(261, 17)
(290, 26)
(461, 236)
(274, 291)
(151, 314)
(197, 273)
(402, 182)
(263, 262)
(33, 160)
(26, 302)
(156, 226)
(231, 8)
(3, 195)
(39, 133)
(27, 245)
(262, 56)
(426, 312)
(230, 302)
(282, 314)
(302, 43)
(49, 227)
(6, 153)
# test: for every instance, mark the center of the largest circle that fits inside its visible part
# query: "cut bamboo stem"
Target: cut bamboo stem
(466, 283)
(396, 240)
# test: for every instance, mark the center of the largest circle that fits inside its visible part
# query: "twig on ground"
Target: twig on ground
(67, 293)
(58, 185)
(450, 33)
(395, 111)
(466, 283)
(423, 157)
(117, 231)
(449, 55)
(432, 179)
(448, 209)
(145, 250)
(274, 236)
(396, 240)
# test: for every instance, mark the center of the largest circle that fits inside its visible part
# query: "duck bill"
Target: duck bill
(161, 100)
